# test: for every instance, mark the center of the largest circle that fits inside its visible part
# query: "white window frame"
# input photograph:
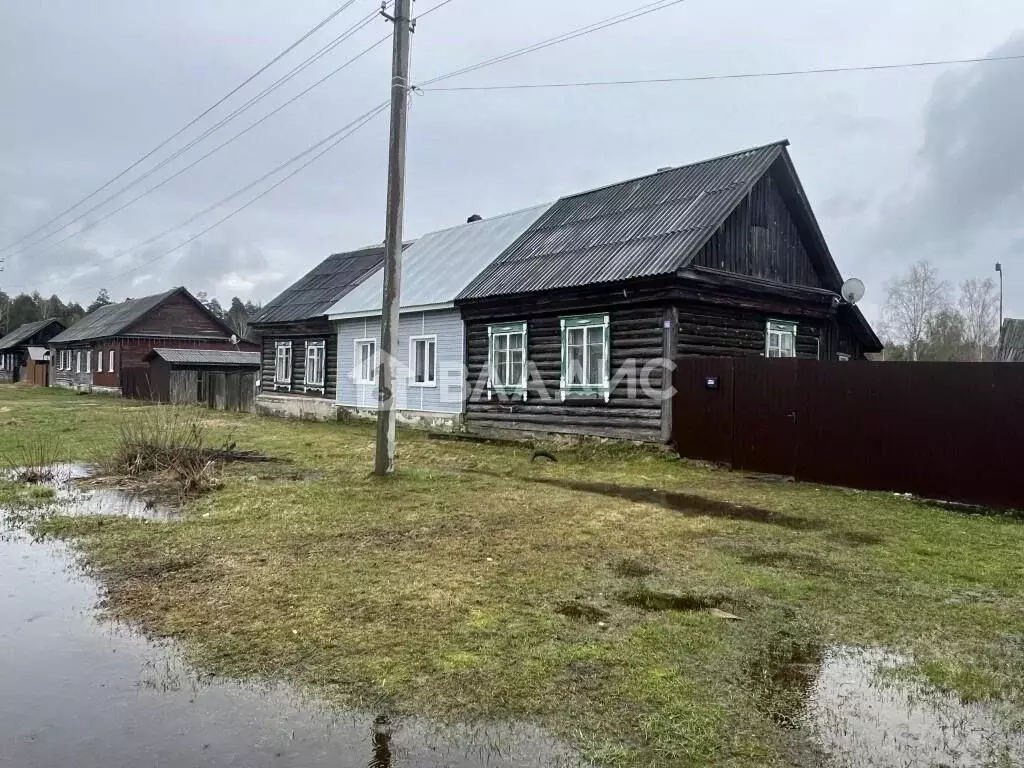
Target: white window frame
(506, 331)
(431, 374)
(777, 331)
(357, 361)
(110, 360)
(280, 382)
(312, 385)
(3, 362)
(88, 361)
(843, 357)
(589, 323)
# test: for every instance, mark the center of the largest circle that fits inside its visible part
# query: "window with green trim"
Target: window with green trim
(585, 356)
(506, 344)
(780, 339)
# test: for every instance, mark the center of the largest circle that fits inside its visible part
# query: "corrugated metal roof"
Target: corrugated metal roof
(329, 281)
(112, 319)
(1011, 346)
(27, 331)
(640, 228)
(225, 357)
(439, 265)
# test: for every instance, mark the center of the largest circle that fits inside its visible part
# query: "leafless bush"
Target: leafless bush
(165, 441)
(33, 460)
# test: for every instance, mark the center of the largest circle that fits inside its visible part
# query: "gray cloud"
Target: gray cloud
(89, 87)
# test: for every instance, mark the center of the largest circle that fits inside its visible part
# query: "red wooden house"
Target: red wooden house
(97, 350)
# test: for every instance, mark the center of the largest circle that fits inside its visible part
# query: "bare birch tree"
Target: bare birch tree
(979, 305)
(912, 302)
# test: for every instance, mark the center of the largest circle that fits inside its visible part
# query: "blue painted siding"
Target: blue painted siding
(445, 326)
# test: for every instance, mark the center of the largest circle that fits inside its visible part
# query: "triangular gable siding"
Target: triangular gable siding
(761, 239)
(177, 316)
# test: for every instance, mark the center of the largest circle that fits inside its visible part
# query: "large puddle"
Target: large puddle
(71, 497)
(75, 691)
(863, 715)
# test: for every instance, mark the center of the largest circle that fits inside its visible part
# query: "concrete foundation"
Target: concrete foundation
(446, 422)
(296, 407)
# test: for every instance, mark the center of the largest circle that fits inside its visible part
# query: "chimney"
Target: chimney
(474, 218)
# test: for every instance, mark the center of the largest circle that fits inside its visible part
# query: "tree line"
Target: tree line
(31, 307)
(925, 318)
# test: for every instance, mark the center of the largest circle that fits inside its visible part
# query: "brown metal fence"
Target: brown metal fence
(950, 431)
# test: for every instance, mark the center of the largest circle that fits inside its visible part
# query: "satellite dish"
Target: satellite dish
(853, 290)
(234, 339)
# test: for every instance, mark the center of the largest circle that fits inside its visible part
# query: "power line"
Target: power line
(733, 76)
(309, 61)
(194, 163)
(351, 128)
(327, 140)
(578, 32)
(596, 26)
(429, 11)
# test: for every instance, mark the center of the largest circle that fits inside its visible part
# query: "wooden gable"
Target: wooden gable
(179, 315)
(762, 239)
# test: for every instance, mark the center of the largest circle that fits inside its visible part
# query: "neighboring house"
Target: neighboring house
(1011, 341)
(431, 338)
(300, 352)
(116, 338)
(223, 379)
(23, 351)
(722, 257)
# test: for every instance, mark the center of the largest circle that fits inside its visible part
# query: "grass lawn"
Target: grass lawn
(475, 584)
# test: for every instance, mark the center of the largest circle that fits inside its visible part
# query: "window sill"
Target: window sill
(517, 393)
(313, 388)
(422, 385)
(278, 385)
(586, 393)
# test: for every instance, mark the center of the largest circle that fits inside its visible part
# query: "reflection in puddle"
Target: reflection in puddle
(78, 692)
(73, 500)
(864, 718)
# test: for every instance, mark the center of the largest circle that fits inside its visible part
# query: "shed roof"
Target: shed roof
(321, 287)
(439, 265)
(212, 357)
(24, 332)
(644, 227)
(114, 319)
(1011, 340)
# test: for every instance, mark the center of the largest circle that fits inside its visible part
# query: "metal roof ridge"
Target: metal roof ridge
(781, 143)
(496, 217)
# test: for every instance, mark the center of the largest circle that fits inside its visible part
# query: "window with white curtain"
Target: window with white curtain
(423, 361)
(316, 363)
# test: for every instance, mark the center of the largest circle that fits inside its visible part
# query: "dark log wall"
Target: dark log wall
(298, 334)
(178, 316)
(636, 339)
(761, 239)
(838, 338)
(706, 329)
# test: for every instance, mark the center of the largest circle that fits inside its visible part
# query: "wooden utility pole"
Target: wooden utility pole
(402, 19)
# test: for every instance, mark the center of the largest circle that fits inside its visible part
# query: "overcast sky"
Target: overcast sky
(899, 166)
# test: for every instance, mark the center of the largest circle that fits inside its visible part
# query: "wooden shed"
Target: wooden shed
(225, 380)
